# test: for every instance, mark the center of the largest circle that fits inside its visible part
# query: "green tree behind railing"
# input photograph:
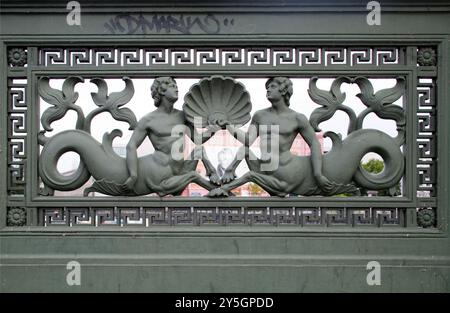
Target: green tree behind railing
(376, 166)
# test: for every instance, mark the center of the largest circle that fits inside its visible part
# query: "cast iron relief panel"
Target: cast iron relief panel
(221, 102)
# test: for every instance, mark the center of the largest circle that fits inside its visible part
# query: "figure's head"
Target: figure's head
(164, 87)
(279, 88)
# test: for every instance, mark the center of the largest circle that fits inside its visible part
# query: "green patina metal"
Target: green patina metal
(316, 242)
(222, 103)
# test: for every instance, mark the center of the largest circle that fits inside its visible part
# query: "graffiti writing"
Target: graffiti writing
(140, 24)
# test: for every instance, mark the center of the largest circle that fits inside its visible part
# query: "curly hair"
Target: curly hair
(159, 86)
(285, 87)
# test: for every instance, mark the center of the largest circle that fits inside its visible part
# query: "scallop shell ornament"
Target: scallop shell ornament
(218, 98)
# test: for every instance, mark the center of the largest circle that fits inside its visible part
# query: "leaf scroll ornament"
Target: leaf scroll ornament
(331, 101)
(381, 103)
(62, 101)
(112, 103)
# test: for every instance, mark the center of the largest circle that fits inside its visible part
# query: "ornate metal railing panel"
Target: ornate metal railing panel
(411, 157)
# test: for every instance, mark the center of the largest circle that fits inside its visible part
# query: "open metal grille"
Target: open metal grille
(417, 208)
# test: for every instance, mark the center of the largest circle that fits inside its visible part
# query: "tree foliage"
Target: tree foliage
(374, 166)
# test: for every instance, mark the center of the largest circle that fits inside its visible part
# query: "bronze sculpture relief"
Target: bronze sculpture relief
(315, 175)
(221, 102)
(158, 172)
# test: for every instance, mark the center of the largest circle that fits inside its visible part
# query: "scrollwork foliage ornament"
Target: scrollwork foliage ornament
(62, 101)
(331, 101)
(380, 103)
(112, 103)
(16, 217)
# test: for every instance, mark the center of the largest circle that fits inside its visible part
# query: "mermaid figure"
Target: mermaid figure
(317, 174)
(159, 172)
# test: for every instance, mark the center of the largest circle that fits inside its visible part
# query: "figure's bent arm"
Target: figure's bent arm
(135, 141)
(205, 136)
(246, 138)
(328, 187)
(309, 135)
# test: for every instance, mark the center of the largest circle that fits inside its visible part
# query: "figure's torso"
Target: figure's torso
(281, 136)
(164, 129)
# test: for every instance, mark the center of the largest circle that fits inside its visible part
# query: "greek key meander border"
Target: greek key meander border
(221, 57)
(328, 58)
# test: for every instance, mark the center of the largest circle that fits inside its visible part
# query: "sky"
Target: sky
(142, 103)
